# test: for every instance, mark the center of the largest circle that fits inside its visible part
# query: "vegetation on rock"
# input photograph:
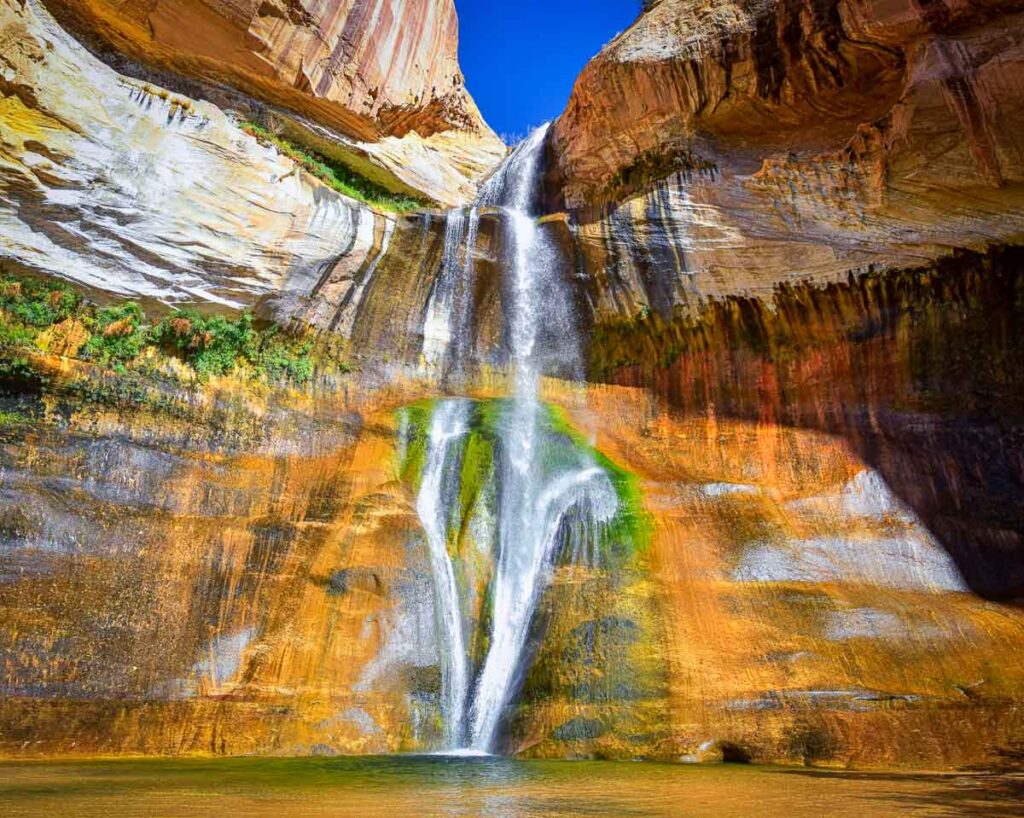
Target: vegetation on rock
(336, 175)
(563, 447)
(651, 167)
(47, 315)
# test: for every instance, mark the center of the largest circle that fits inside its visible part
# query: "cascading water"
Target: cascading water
(432, 505)
(446, 320)
(535, 494)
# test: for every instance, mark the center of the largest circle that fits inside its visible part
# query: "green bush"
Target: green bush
(38, 302)
(118, 335)
(336, 175)
(15, 335)
(215, 346)
(283, 358)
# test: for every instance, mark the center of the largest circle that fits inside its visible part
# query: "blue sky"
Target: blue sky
(521, 57)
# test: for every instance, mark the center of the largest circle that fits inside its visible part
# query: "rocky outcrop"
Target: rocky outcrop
(765, 200)
(381, 75)
(133, 191)
(919, 371)
(217, 571)
(368, 66)
(726, 149)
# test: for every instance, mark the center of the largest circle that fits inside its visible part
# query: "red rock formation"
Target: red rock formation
(920, 371)
(805, 138)
(729, 154)
(381, 75)
(368, 67)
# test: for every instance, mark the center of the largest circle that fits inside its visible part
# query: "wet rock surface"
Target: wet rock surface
(787, 248)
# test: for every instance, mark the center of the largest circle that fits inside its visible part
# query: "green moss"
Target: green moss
(653, 166)
(627, 534)
(477, 465)
(417, 431)
(632, 524)
(336, 175)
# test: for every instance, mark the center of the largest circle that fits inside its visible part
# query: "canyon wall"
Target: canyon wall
(137, 192)
(861, 153)
(379, 78)
(223, 571)
(367, 66)
(716, 150)
(789, 231)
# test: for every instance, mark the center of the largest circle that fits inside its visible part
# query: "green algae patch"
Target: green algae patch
(632, 524)
(477, 467)
(414, 432)
(560, 447)
(596, 674)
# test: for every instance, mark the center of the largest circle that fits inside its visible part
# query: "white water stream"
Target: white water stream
(440, 479)
(532, 502)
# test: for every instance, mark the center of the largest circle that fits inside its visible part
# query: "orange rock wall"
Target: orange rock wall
(732, 146)
(365, 66)
(228, 572)
(920, 370)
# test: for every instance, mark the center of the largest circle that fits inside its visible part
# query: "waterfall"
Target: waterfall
(439, 480)
(447, 318)
(526, 555)
(534, 497)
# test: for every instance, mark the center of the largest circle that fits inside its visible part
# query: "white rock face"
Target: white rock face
(901, 555)
(137, 192)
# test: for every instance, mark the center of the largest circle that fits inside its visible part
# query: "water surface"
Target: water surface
(499, 788)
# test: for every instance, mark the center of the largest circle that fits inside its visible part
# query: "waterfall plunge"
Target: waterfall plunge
(439, 480)
(533, 498)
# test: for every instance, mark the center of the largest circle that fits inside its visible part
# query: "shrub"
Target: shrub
(117, 335)
(213, 346)
(37, 302)
(49, 315)
(15, 335)
(284, 358)
(336, 175)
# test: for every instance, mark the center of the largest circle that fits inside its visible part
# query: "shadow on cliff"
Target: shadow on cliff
(921, 371)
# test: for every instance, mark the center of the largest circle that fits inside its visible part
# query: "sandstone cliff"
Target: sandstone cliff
(381, 75)
(742, 144)
(814, 389)
(715, 157)
(134, 191)
(219, 570)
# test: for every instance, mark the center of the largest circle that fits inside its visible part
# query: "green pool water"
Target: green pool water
(499, 788)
